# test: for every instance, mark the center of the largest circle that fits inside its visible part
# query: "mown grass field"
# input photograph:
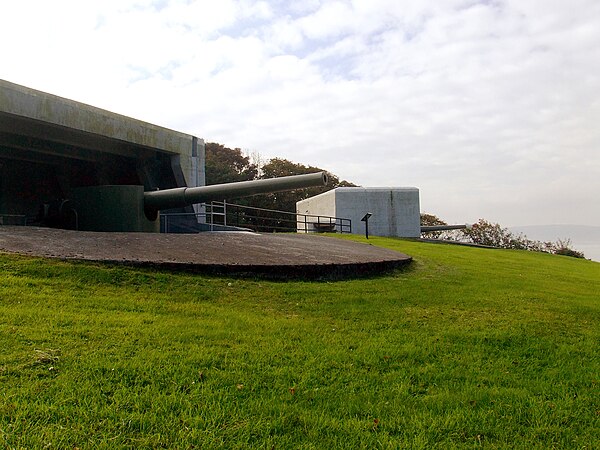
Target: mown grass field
(468, 348)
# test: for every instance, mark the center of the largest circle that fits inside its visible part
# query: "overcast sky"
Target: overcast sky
(490, 108)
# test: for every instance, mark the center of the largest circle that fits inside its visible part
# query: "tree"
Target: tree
(489, 234)
(226, 165)
(286, 201)
(563, 247)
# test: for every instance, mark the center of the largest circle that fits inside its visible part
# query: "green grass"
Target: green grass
(467, 348)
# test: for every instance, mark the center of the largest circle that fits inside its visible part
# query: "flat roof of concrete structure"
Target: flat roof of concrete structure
(53, 125)
(360, 189)
(376, 188)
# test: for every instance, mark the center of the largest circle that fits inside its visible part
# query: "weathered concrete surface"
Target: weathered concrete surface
(82, 128)
(41, 106)
(273, 255)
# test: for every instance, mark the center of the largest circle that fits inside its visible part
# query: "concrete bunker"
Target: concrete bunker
(395, 210)
(51, 146)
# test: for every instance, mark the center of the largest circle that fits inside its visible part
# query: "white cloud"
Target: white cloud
(491, 108)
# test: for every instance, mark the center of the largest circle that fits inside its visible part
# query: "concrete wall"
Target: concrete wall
(319, 205)
(396, 211)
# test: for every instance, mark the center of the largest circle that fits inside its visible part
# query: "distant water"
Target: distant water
(584, 238)
(591, 251)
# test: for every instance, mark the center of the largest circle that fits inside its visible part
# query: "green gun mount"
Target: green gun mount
(128, 208)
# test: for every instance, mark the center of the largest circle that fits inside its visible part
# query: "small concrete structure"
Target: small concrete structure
(395, 210)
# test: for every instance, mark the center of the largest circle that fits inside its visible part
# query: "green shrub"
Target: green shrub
(493, 235)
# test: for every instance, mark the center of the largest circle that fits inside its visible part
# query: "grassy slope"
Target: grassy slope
(467, 348)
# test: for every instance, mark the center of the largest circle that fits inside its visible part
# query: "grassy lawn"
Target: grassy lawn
(467, 348)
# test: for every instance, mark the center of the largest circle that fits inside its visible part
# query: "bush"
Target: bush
(493, 235)
(564, 248)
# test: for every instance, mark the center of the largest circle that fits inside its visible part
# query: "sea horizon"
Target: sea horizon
(583, 238)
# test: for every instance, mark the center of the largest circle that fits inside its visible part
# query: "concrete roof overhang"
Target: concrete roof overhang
(41, 127)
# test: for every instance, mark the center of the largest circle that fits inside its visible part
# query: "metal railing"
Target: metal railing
(229, 216)
(192, 222)
(13, 219)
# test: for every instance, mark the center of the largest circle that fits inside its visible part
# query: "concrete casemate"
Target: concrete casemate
(50, 145)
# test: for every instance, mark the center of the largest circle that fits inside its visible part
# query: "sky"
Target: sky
(491, 108)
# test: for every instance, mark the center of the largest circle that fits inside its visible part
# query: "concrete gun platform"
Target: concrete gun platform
(231, 253)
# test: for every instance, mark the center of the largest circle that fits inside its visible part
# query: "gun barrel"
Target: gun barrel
(429, 228)
(178, 197)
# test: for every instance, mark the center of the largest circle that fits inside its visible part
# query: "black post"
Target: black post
(365, 219)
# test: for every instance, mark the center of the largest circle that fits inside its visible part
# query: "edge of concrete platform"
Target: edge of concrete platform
(317, 272)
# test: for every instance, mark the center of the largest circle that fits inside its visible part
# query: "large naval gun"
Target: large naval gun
(128, 208)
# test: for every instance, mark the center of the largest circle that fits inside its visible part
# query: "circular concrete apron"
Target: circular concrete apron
(241, 253)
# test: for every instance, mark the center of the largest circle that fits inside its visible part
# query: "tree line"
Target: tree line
(227, 165)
